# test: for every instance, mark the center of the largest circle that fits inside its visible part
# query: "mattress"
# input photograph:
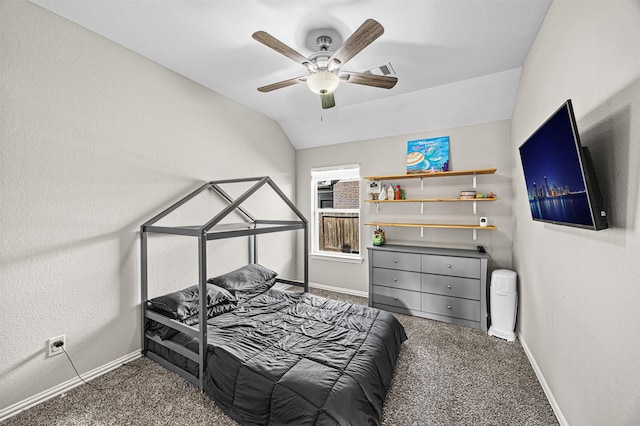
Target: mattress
(296, 358)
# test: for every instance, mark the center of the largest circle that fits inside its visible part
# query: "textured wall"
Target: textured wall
(579, 289)
(95, 141)
(472, 147)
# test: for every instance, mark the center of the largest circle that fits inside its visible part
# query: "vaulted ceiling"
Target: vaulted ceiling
(457, 61)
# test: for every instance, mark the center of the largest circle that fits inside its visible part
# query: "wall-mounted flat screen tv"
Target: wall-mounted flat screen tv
(558, 171)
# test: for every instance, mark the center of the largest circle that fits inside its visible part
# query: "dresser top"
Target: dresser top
(439, 251)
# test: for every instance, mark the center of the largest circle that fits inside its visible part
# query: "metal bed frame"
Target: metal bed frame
(212, 230)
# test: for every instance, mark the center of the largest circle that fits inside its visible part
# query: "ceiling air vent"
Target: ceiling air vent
(384, 69)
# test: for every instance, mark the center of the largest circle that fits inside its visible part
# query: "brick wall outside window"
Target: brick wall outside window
(346, 195)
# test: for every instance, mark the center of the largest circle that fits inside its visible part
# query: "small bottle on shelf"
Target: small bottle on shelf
(390, 193)
(398, 193)
(383, 194)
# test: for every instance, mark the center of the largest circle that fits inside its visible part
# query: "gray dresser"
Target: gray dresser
(441, 284)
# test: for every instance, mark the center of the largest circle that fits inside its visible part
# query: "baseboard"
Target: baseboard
(543, 383)
(339, 289)
(65, 386)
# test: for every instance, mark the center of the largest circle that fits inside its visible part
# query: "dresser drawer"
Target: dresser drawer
(396, 297)
(397, 279)
(469, 288)
(450, 265)
(451, 306)
(391, 260)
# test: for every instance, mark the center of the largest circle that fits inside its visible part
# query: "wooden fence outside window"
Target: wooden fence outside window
(340, 233)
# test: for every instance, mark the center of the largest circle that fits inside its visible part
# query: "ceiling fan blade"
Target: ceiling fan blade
(281, 84)
(328, 101)
(361, 38)
(382, 81)
(275, 44)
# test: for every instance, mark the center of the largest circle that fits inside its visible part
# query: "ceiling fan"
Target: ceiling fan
(324, 66)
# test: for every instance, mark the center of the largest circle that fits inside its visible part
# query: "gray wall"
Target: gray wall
(96, 140)
(472, 147)
(579, 290)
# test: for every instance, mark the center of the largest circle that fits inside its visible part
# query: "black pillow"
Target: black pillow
(245, 279)
(184, 304)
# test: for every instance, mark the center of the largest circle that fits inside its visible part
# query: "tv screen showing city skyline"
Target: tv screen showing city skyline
(553, 173)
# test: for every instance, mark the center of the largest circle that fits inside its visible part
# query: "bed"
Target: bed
(289, 358)
(266, 355)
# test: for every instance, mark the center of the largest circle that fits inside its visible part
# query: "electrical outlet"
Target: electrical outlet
(52, 350)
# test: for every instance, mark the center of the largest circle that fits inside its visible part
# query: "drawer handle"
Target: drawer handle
(448, 306)
(395, 279)
(395, 260)
(395, 297)
(449, 265)
(449, 286)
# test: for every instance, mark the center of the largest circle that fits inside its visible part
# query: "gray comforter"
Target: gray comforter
(298, 359)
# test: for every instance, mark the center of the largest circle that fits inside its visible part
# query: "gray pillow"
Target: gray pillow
(245, 278)
(183, 305)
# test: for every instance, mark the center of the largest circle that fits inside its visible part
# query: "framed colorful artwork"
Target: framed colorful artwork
(428, 155)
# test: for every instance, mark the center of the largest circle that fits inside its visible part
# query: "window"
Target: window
(335, 228)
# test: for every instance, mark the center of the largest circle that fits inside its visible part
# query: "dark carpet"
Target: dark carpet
(446, 375)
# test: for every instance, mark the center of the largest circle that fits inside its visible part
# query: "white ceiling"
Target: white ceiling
(458, 61)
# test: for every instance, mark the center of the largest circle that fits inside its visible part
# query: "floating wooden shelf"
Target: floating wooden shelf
(434, 174)
(430, 200)
(431, 225)
(472, 173)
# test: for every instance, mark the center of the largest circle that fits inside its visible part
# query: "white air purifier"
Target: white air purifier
(504, 302)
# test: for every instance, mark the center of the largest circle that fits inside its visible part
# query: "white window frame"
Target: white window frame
(345, 172)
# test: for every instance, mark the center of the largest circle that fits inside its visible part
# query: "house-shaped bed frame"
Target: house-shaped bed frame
(250, 227)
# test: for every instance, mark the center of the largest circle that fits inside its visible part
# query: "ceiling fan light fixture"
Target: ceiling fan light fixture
(323, 82)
